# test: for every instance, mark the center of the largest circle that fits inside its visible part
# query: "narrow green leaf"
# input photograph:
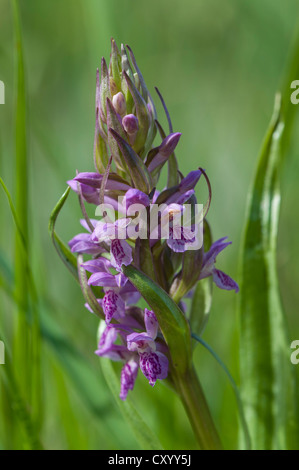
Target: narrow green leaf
(63, 251)
(146, 438)
(32, 327)
(21, 344)
(267, 380)
(172, 321)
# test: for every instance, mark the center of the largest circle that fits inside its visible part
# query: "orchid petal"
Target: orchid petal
(151, 323)
(121, 253)
(224, 281)
(128, 377)
(154, 365)
(113, 305)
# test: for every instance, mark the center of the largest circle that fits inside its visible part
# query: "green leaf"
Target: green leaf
(172, 321)
(267, 380)
(63, 251)
(21, 327)
(146, 438)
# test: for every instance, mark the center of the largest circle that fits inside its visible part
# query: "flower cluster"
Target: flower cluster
(128, 167)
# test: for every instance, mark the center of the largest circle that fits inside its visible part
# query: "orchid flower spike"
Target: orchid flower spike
(126, 179)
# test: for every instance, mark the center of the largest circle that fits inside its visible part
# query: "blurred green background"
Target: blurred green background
(218, 65)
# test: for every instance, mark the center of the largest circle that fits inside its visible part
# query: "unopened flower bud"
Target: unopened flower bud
(130, 123)
(119, 103)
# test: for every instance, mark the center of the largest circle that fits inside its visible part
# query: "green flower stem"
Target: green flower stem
(194, 401)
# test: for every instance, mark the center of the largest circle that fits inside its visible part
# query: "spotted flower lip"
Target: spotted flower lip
(113, 306)
(154, 365)
(141, 349)
(121, 254)
(128, 377)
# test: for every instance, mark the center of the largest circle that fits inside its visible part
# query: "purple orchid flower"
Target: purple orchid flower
(141, 350)
(153, 363)
(120, 250)
(221, 279)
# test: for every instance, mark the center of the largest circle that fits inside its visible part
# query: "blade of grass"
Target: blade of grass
(35, 397)
(26, 336)
(21, 331)
(267, 379)
(17, 402)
